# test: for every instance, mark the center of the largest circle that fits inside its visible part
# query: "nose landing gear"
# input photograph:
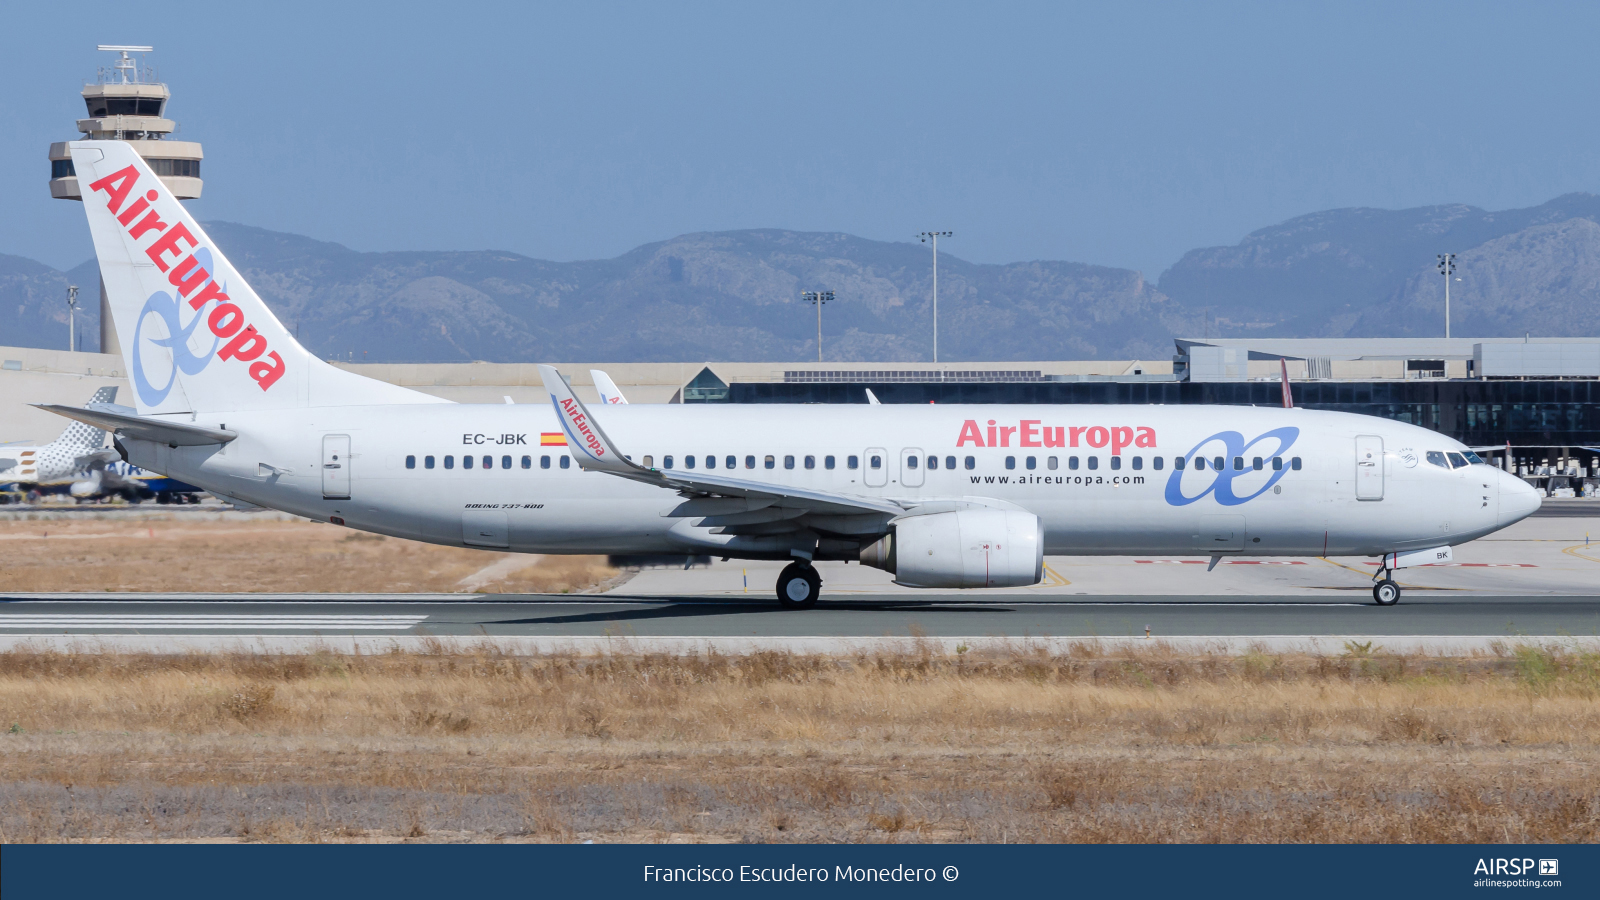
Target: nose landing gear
(799, 585)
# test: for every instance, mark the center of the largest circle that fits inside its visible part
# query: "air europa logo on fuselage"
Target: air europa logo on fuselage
(1034, 433)
(191, 278)
(1232, 460)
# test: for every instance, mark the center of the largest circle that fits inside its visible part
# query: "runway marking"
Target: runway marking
(195, 623)
(1230, 562)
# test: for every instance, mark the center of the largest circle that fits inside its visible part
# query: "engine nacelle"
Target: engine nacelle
(967, 548)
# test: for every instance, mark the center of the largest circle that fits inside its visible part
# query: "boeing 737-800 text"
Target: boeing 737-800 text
(940, 496)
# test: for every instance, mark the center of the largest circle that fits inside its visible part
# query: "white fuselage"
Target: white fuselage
(1309, 507)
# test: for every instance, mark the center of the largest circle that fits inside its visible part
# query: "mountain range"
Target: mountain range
(736, 295)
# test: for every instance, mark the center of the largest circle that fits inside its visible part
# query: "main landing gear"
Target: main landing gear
(799, 585)
(1384, 590)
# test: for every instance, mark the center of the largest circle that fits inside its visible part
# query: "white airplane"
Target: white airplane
(79, 463)
(942, 496)
(609, 395)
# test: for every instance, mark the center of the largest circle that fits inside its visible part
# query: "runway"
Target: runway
(857, 616)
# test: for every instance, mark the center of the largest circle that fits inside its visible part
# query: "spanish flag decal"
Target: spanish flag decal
(552, 439)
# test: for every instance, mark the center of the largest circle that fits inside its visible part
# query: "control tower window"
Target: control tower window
(175, 168)
(62, 168)
(100, 107)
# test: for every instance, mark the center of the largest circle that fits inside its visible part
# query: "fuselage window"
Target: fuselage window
(411, 462)
(911, 462)
(1457, 460)
(827, 462)
(852, 462)
(666, 462)
(1116, 462)
(527, 462)
(749, 462)
(449, 462)
(466, 462)
(1155, 463)
(731, 462)
(788, 462)
(1256, 464)
(544, 462)
(1277, 464)
(1094, 462)
(505, 462)
(1294, 463)
(711, 461)
(1052, 463)
(1011, 462)
(933, 462)
(972, 462)
(1031, 462)
(427, 462)
(649, 462)
(1072, 462)
(1217, 463)
(1238, 464)
(770, 462)
(566, 462)
(811, 462)
(875, 462)
(1178, 462)
(1138, 463)
(949, 462)
(688, 462)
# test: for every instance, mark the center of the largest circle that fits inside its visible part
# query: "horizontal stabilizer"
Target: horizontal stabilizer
(143, 428)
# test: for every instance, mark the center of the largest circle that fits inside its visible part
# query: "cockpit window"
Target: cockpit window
(1437, 458)
(1474, 458)
(1457, 461)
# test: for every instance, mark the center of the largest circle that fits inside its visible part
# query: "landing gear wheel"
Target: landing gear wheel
(1386, 592)
(799, 585)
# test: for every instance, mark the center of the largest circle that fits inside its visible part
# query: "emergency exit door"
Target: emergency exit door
(1369, 467)
(336, 466)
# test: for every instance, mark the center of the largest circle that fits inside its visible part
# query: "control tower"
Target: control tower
(127, 103)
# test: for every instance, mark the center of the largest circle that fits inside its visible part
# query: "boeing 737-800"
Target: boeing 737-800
(941, 496)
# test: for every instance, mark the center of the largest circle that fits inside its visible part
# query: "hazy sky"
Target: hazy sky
(1118, 134)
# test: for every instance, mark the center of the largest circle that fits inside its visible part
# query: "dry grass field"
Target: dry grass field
(1085, 747)
(262, 553)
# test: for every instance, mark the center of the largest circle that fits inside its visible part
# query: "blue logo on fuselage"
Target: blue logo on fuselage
(1221, 486)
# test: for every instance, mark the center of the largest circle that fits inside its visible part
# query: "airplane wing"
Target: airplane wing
(143, 428)
(609, 395)
(595, 452)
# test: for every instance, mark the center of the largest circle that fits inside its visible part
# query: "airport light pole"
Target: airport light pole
(72, 323)
(1447, 267)
(818, 298)
(934, 236)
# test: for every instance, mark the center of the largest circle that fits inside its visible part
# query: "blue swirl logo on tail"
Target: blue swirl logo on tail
(1221, 485)
(167, 308)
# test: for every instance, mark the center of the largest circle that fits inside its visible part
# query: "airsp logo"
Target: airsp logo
(1408, 457)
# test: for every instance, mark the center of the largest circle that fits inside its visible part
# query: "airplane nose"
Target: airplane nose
(1518, 499)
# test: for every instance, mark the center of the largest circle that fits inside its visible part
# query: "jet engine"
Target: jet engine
(966, 548)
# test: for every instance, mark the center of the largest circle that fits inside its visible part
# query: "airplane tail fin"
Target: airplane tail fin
(609, 395)
(194, 335)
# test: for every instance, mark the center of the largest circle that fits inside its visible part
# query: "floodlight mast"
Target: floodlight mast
(1447, 267)
(818, 298)
(72, 324)
(934, 236)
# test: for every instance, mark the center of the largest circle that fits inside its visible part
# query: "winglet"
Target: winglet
(585, 438)
(872, 398)
(609, 394)
(1288, 398)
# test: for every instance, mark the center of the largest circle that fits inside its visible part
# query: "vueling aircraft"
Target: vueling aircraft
(948, 496)
(79, 463)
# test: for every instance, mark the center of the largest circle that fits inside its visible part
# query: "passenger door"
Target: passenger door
(1369, 467)
(876, 467)
(911, 474)
(336, 466)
